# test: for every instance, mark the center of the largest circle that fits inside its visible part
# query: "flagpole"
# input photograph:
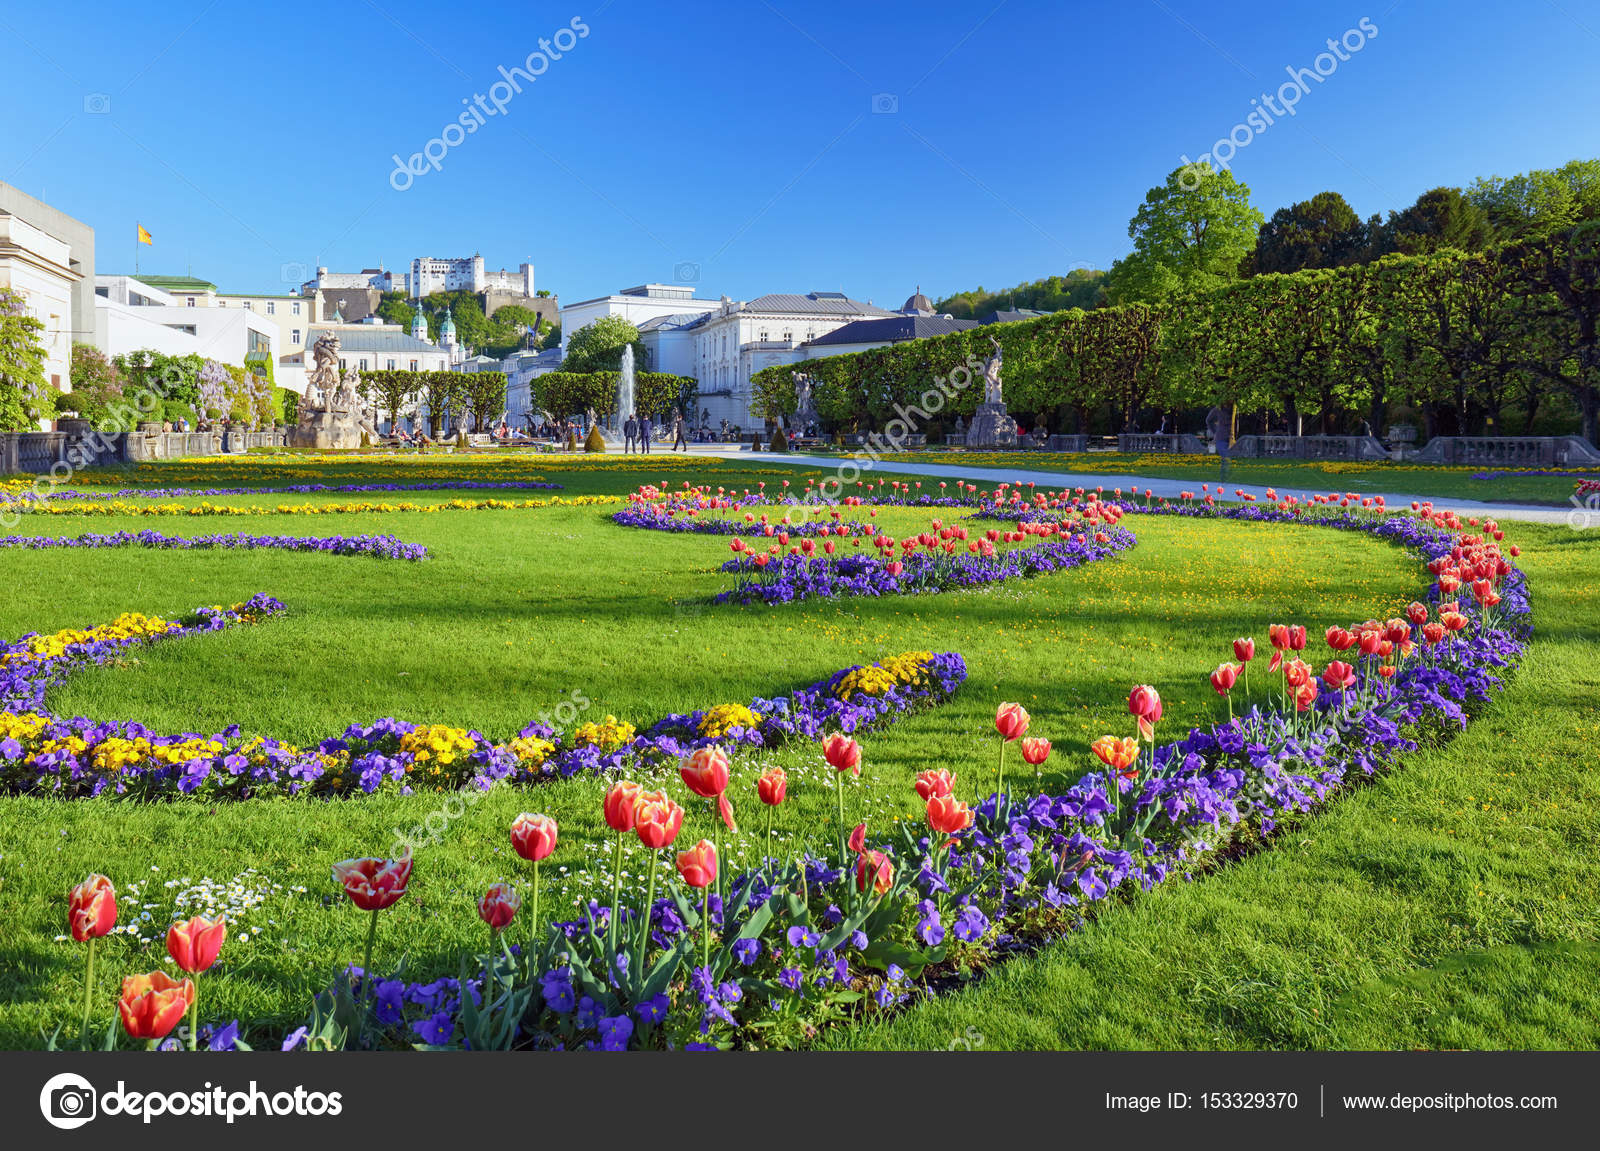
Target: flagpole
(136, 227)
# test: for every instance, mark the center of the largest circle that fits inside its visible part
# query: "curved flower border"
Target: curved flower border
(377, 546)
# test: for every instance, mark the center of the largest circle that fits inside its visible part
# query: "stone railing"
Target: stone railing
(78, 445)
(1068, 443)
(1309, 448)
(1183, 444)
(1509, 451)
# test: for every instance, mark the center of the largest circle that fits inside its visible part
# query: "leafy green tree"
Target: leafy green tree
(486, 396)
(24, 389)
(96, 383)
(1190, 234)
(1322, 232)
(1441, 218)
(597, 347)
(1079, 288)
(1540, 201)
(1558, 281)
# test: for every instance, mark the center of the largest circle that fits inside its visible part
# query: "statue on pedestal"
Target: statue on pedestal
(991, 376)
(992, 426)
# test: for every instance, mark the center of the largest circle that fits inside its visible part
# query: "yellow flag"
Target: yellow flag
(144, 236)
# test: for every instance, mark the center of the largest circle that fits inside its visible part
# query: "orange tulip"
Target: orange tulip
(932, 783)
(948, 815)
(1011, 721)
(1035, 751)
(92, 908)
(194, 944)
(705, 772)
(698, 865)
(1305, 695)
(499, 905)
(1432, 632)
(1118, 754)
(373, 884)
(1279, 635)
(1296, 672)
(620, 805)
(533, 836)
(152, 1004)
(1453, 621)
(657, 820)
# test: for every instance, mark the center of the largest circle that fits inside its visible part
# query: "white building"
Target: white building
(132, 314)
(636, 305)
(521, 369)
(916, 321)
(430, 274)
(48, 257)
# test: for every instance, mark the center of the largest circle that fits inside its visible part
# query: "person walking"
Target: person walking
(677, 431)
(630, 432)
(644, 434)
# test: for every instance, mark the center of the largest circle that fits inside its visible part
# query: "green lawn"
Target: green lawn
(1411, 479)
(1349, 933)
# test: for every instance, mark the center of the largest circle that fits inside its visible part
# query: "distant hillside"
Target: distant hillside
(1080, 288)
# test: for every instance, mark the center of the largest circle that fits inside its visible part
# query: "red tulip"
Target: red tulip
(1370, 640)
(874, 867)
(373, 884)
(842, 752)
(92, 908)
(1035, 751)
(1279, 635)
(621, 802)
(706, 772)
(1225, 677)
(657, 820)
(1296, 672)
(1433, 632)
(499, 905)
(858, 838)
(151, 1005)
(698, 865)
(931, 783)
(1145, 702)
(1305, 695)
(773, 786)
(1417, 613)
(1011, 721)
(948, 815)
(1340, 640)
(194, 944)
(1244, 650)
(1339, 676)
(1453, 621)
(1297, 638)
(533, 836)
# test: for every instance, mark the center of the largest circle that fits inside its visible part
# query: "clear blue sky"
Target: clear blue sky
(742, 136)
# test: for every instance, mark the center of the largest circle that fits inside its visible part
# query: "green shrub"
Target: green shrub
(780, 442)
(596, 442)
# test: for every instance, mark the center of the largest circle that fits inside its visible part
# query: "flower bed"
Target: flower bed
(70, 494)
(1588, 488)
(122, 507)
(381, 546)
(41, 753)
(803, 943)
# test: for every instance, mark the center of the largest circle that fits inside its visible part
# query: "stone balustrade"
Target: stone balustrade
(1182, 444)
(1309, 448)
(78, 445)
(1510, 451)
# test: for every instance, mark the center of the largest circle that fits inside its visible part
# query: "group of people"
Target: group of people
(636, 432)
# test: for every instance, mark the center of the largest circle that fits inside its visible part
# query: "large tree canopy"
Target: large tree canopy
(597, 347)
(1190, 234)
(1322, 232)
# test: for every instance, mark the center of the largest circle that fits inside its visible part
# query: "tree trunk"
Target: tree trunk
(1430, 419)
(1589, 403)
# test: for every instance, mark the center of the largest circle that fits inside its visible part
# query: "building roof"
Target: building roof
(1011, 316)
(372, 338)
(175, 284)
(917, 303)
(677, 320)
(814, 303)
(893, 329)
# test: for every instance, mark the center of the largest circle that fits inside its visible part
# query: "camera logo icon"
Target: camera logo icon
(885, 104)
(67, 1101)
(293, 272)
(686, 272)
(97, 103)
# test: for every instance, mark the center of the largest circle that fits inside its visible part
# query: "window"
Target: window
(762, 336)
(363, 363)
(341, 363)
(272, 308)
(391, 365)
(413, 365)
(295, 308)
(222, 303)
(246, 305)
(191, 302)
(294, 337)
(788, 337)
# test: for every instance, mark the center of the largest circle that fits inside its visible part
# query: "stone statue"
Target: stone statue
(991, 376)
(324, 380)
(348, 397)
(961, 426)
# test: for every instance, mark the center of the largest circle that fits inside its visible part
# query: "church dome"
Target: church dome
(917, 304)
